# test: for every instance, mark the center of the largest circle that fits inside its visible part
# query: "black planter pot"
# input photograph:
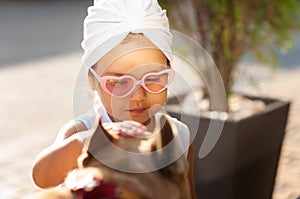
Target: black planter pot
(243, 163)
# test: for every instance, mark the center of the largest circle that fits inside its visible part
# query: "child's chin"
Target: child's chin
(141, 119)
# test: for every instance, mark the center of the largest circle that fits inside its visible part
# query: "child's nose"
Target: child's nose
(138, 94)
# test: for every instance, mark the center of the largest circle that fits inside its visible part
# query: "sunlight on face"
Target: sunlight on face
(137, 59)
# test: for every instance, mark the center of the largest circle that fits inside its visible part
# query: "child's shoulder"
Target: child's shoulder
(182, 127)
(80, 123)
(183, 135)
(69, 129)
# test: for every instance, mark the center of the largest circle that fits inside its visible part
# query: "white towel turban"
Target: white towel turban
(109, 21)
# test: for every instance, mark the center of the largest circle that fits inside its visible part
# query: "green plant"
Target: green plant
(228, 29)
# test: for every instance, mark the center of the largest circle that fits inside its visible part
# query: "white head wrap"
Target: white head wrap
(109, 21)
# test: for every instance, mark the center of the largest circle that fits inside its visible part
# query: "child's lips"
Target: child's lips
(137, 110)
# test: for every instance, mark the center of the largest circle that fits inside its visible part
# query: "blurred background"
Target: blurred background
(40, 57)
(38, 29)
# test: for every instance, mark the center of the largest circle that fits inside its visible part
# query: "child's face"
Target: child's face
(140, 104)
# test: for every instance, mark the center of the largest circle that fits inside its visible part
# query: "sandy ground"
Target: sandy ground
(36, 100)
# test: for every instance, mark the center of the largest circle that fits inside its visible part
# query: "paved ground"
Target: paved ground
(36, 96)
(37, 100)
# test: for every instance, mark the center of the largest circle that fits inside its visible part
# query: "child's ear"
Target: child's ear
(92, 81)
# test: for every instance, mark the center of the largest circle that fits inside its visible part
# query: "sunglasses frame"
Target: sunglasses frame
(102, 81)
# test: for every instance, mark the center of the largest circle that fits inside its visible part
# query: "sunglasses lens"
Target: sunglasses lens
(122, 86)
(157, 83)
(119, 86)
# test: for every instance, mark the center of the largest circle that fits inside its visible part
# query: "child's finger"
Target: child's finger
(132, 128)
(111, 127)
(81, 179)
(125, 128)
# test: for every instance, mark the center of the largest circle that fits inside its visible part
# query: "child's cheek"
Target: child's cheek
(157, 101)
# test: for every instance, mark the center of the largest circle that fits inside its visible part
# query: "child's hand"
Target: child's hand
(126, 128)
(85, 179)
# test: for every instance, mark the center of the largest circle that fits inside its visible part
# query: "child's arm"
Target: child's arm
(53, 163)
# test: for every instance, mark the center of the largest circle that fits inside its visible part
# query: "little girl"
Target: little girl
(127, 51)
